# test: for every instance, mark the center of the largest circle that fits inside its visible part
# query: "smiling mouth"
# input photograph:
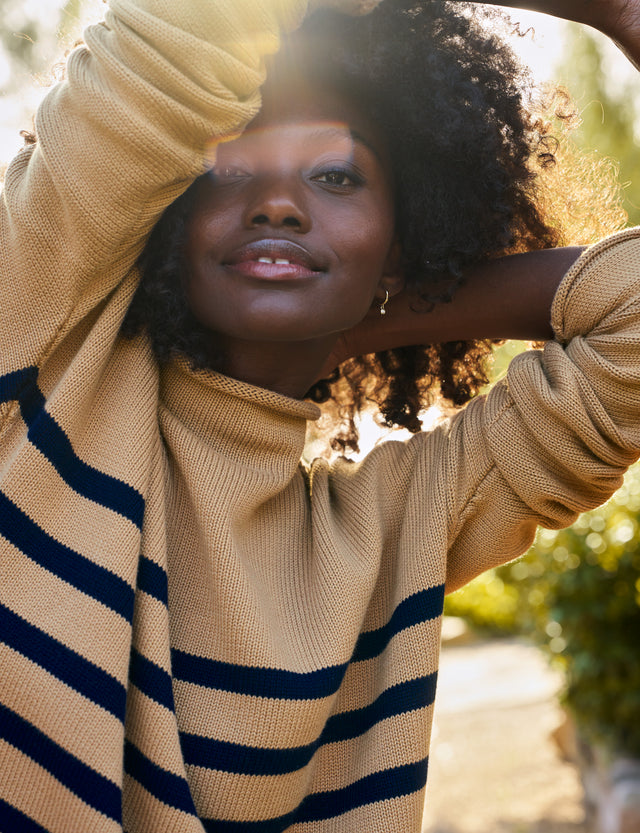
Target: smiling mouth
(274, 259)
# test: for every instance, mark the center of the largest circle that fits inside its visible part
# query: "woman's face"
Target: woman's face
(292, 232)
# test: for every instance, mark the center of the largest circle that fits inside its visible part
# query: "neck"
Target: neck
(288, 368)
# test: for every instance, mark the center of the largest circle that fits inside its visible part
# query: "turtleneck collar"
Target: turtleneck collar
(237, 419)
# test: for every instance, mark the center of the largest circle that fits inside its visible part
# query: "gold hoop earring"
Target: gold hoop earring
(384, 303)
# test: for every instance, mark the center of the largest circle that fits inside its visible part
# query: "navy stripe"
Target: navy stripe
(13, 821)
(244, 760)
(267, 826)
(421, 607)
(399, 699)
(152, 579)
(83, 574)
(290, 685)
(251, 760)
(11, 384)
(380, 786)
(259, 682)
(49, 438)
(168, 788)
(93, 788)
(152, 680)
(77, 672)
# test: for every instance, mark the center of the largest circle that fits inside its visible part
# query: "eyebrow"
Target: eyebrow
(358, 137)
(322, 132)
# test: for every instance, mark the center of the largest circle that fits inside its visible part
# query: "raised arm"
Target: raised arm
(506, 298)
(554, 438)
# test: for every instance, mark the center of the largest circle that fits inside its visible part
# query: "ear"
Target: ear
(392, 280)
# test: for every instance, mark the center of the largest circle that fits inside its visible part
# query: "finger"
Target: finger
(350, 7)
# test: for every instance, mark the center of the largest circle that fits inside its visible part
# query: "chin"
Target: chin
(272, 327)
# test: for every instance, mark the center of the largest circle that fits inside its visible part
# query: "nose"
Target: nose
(277, 201)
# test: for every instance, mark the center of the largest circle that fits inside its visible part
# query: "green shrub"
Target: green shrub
(577, 593)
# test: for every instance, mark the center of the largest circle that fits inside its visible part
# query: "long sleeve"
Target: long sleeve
(556, 436)
(119, 140)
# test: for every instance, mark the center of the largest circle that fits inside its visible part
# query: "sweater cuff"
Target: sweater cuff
(602, 280)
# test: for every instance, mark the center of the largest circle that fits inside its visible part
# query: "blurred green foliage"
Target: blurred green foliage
(609, 111)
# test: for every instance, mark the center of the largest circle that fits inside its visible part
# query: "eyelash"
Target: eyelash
(228, 172)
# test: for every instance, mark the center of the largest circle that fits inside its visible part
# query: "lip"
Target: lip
(300, 263)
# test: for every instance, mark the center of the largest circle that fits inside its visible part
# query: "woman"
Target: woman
(199, 632)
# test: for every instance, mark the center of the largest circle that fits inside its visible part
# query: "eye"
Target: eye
(227, 172)
(338, 178)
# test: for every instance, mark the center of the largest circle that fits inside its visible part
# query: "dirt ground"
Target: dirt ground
(494, 767)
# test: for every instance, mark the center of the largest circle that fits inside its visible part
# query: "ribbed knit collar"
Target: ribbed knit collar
(244, 422)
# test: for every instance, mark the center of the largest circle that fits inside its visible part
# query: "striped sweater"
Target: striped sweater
(196, 631)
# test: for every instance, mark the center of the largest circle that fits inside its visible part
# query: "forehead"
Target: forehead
(320, 112)
(289, 142)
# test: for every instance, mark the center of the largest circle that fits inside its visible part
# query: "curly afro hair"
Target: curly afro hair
(449, 97)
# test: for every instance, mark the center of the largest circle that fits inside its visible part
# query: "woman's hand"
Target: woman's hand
(619, 19)
(351, 7)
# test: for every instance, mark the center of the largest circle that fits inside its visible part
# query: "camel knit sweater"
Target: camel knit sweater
(197, 632)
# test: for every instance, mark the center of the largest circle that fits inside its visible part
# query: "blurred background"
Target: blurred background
(537, 724)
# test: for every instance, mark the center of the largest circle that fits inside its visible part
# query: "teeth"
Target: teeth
(279, 260)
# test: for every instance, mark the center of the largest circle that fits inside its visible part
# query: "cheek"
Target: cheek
(366, 243)
(209, 224)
